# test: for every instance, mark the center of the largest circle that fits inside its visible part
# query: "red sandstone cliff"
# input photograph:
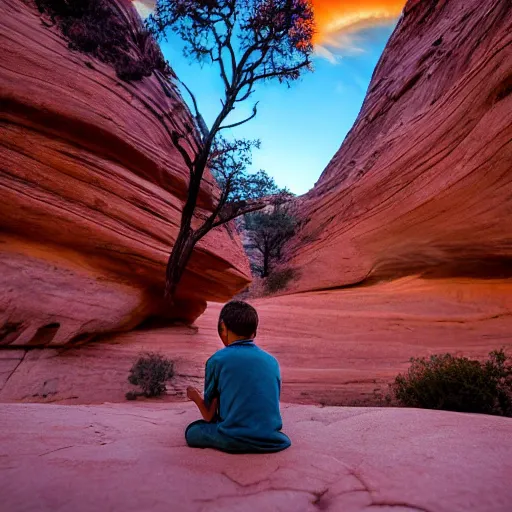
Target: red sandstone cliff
(424, 179)
(91, 194)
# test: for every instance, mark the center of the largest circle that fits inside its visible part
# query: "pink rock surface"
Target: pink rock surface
(334, 347)
(423, 180)
(133, 458)
(92, 191)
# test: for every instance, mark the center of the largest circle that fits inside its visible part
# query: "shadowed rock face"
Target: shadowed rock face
(91, 193)
(423, 181)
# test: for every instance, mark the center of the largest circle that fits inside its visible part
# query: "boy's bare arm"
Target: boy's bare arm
(206, 412)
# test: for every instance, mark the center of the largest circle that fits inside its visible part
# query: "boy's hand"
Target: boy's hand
(193, 394)
(207, 412)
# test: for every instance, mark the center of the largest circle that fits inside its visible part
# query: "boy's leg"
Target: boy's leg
(201, 434)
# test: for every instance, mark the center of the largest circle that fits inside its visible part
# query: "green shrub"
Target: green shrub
(279, 279)
(96, 27)
(150, 372)
(458, 384)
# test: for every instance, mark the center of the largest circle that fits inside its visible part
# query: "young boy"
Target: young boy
(241, 391)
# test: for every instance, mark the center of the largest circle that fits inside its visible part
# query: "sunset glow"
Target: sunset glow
(335, 17)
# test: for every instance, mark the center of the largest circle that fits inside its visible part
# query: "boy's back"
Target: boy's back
(240, 407)
(247, 382)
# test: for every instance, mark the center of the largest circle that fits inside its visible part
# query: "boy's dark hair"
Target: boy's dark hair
(240, 318)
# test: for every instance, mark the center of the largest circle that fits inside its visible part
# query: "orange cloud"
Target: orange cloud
(334, 16)
(338, 21)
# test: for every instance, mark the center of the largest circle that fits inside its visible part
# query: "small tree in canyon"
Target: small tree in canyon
(250, 41)
(268, 232)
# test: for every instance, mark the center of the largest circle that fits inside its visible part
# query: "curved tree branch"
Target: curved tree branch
(199, 118)
(252, 116)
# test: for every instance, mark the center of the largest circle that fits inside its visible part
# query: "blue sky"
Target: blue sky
(302, 127)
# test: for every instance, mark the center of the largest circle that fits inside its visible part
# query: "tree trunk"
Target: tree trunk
(266, 257)
(184, 244)
(180, 256)
(187, 238)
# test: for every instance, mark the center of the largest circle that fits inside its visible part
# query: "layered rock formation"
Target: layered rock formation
(91, 193)
(423, 182)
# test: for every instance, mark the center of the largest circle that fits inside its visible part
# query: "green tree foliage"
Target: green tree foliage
(279, 279)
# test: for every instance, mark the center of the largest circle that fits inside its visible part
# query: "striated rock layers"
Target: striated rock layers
(91, 193)
(423, 182)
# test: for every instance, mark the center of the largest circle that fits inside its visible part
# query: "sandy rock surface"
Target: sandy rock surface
(92, 191)
(133, 458)
(423, 182)
(335, 347)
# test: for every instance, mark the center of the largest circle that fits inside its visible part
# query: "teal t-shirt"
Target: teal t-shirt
(247, 382)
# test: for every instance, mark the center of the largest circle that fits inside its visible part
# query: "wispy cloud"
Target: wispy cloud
(144, 7)
(343, 27)
(337, 45)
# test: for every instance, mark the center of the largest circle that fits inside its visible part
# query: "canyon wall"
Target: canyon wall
(92, 191)
(423, 182)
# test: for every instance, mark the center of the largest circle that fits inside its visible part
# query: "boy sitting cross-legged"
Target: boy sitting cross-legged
(241, 391)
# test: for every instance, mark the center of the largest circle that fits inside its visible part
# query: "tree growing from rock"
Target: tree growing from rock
(268, 232)
(250, 41)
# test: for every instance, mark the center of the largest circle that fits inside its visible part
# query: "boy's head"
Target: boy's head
(237, 321)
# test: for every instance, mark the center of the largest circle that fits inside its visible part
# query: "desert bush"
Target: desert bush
(97, 28)
(150, 372)
(458, 384)
(279, 279)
